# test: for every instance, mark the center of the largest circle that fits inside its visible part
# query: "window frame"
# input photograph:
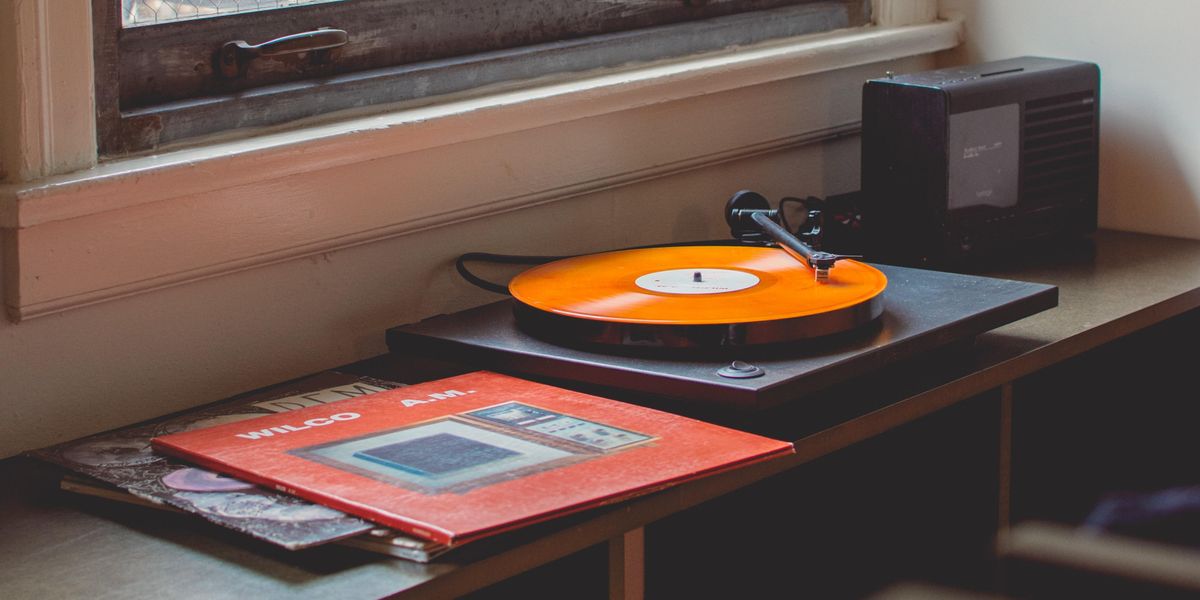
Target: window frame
(123, 129)
(81, 234)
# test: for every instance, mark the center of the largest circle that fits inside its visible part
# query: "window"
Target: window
(172, 70)
(135, 13)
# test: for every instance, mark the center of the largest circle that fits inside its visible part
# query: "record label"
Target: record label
(696, 281)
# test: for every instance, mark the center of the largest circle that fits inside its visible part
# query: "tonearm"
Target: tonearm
(751, 219)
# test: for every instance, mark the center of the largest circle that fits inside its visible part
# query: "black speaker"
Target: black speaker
(966, 164)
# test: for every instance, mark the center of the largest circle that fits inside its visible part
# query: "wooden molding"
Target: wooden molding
(142, 224)
(51, 94)
(899, 13)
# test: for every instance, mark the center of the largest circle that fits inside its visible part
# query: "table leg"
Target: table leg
(627, 565)
(1004, 474)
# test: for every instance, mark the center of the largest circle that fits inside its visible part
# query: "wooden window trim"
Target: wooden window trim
(203, 211)
(124, 130)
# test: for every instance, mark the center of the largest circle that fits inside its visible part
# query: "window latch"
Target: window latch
(234, 55)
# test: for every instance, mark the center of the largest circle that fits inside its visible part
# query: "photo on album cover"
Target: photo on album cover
(458, 453)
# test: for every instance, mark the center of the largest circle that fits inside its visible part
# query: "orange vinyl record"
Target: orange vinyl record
(694, 296)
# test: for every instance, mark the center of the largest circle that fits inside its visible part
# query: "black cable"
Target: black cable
(808, 203)
(518, 259)
(509, 259)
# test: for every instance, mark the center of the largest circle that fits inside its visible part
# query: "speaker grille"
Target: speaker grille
(1058, 147)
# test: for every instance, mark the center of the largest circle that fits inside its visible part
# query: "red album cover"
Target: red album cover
(460, 458)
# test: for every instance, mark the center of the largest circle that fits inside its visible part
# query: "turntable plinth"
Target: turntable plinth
(922, 310)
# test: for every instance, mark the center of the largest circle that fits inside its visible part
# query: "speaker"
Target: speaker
(967, 164)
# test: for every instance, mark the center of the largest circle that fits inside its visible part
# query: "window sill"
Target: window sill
(139, 224)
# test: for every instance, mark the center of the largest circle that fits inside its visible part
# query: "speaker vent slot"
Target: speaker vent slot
(1058, 150)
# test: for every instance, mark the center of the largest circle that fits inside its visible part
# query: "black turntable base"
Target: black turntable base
(923, 311)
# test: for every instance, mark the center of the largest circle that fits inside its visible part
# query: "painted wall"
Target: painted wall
(102, 366)
(86, 370)
(106, 365)
(1150, 123)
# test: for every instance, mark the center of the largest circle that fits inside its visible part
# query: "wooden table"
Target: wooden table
(52, 545)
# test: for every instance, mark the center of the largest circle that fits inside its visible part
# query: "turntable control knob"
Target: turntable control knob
(740, 370)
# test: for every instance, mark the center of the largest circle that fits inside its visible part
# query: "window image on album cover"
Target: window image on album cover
(537, 421)
(456, 454)
(438, 454)
(443, 456)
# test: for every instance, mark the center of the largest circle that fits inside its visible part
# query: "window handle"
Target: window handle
(234, 55)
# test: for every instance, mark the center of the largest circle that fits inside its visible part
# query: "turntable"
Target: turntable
(745, 324)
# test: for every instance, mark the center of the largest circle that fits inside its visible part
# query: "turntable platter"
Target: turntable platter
(694, 295)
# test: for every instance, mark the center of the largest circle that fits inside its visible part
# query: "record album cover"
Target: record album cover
(457, 459)
(380, 540)
(123, 458)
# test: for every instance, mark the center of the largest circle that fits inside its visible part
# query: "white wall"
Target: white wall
(106, 365)
(102, 366)
(110, 364)
(1150, 118)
